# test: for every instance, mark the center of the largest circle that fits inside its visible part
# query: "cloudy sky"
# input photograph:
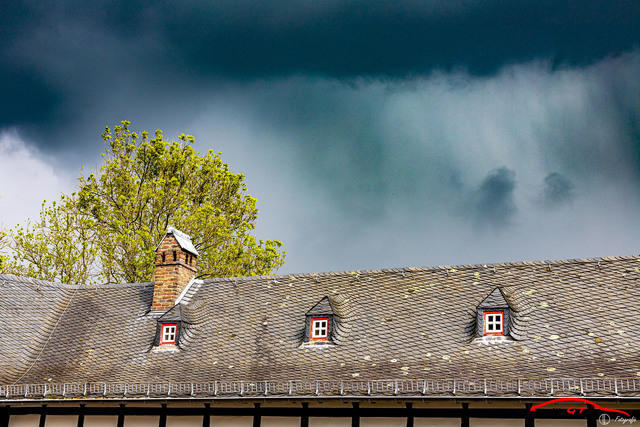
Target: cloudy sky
(374, 134)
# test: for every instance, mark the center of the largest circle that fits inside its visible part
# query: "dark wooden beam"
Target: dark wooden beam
(81, 416)
(355, 417)
(163, 416)
(529, 421)
(304, 419)
(43, 415)
(4, 416)
(121, 415)
(206, 418)
(464, 419)
(257, 415)
(409, 406)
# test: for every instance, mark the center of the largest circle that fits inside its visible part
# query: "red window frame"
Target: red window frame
(484, 323)
(175, 336)
(322, 338)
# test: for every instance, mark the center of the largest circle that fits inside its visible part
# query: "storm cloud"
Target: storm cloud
(494, 202)
(247, 39)
(53, 54)
(557, 190)
(372, 135)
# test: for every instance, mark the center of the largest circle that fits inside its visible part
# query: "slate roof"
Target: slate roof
(573, 319)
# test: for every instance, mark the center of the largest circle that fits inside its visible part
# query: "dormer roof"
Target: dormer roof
(323, 307)
(495, 299)
(172, 315)
(183, 239)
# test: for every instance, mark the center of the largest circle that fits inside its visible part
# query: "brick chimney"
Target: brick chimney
(176, 261)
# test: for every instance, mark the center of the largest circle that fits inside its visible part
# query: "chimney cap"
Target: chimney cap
(183, 239)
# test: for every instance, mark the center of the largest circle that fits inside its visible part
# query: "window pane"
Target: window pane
(493, 323)
(319, 328)
(169, 333)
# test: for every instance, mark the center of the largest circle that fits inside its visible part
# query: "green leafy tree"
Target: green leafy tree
(60, 246)
(107, 231)
(4, 265)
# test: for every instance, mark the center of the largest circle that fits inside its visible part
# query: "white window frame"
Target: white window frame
(319, 328)
(494, 319)
(169, 331)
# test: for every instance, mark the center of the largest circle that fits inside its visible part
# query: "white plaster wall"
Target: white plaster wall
(141, 421)
(33, 420)
(561, 423)
(100, 421)
(382, 422)
(24, 420)
(231, 421)
(193, 421)
(329, 422)
(61, 420)
(489, 422)
(495, 422)
(280, 422)
(436, 422)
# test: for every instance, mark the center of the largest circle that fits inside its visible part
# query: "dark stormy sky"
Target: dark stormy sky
(374, 134)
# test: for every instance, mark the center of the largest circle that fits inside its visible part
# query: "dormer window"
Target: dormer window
(319, 328)
(169, 329)
(493, 322)
(168, 333)
(319, 323)
(493, 315)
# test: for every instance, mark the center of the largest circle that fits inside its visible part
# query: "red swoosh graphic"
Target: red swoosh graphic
(577, 399)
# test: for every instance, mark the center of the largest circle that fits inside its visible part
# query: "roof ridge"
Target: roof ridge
(41, 282)
(33, 280)
(567, 261)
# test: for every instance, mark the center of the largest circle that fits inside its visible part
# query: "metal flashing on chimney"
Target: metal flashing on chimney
(183, 239)
(186, 289)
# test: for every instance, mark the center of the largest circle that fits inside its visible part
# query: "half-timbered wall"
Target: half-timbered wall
(450, 413)
(240, 421)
